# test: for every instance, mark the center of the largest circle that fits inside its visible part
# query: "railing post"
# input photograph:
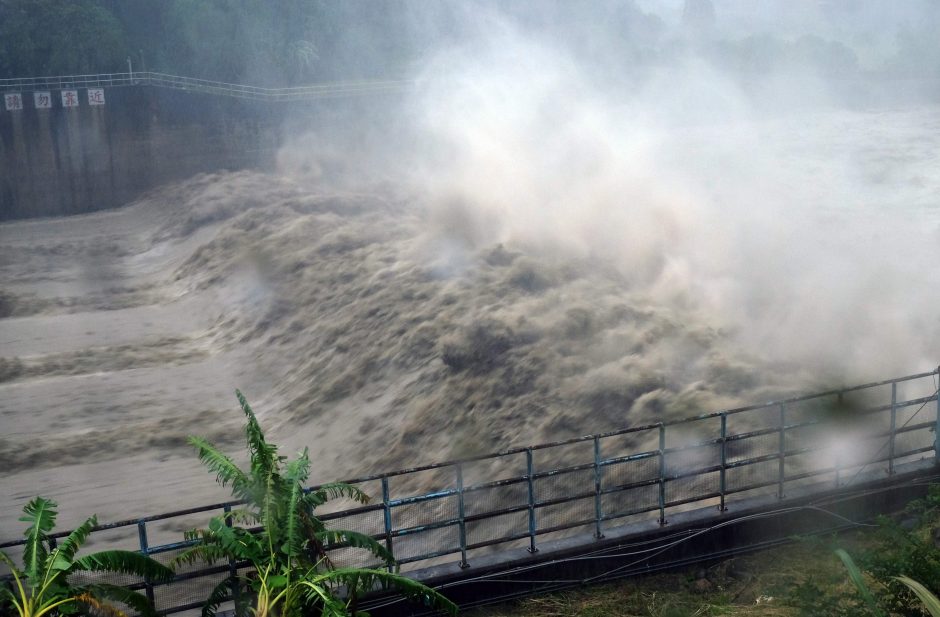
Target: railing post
(724, 463)
(781, 466)
(232, 569)
(531, 488)
(838, 452)
(936, 430)
(598, 511)
(662, 474)
(145, 550)
(387, 516)
(461, 523)
(894, 423)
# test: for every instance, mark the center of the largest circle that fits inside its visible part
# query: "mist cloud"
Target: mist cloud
(789, 226)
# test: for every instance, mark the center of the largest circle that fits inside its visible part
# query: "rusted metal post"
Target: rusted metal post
(722, 486)
(531, 489)
(387, 518)
(894, 423)
(232, 569)
(662, 474)
(461, 523)
(781, 465)
(145, 550)
(936, 429)
(598, 513)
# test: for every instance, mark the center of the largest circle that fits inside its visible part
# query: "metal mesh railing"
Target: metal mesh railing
(527, 496)
(191, 84)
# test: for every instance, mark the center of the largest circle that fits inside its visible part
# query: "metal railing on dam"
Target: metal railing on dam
(462, 511)
(191, 84)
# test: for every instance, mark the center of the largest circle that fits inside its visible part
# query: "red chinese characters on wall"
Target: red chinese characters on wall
(70, 98)
(42, 100)
(96, 96)
(13, 101)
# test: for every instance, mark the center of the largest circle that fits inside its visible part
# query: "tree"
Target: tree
(42, 586)
(292, 570)
(59, 37)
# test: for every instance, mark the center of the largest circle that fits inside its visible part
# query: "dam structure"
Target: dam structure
(613, 504)
(74, 144)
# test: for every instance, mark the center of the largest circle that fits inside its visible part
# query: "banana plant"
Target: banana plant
(286, 544)
(930, 601)
(42, 585)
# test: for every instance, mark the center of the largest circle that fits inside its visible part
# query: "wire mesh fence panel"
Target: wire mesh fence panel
(925, 386)
(692, 458)
(422, 513)
(693, 432)
(565, 455)
(500, 527)
(109, 578)
(629, 443)
(371, 489)
(369, 522)
(914, 441)
(491, 499)
(693, 490)
(585, 486)
(124, 538)
(630, 472)
(767, 417)
(868, 452)
(630, 501)
(423, 482)
(188, 591)
(424, 543)
(171, 530)
(564, 514)
(909, 414)
(494, 469)
(809, 469)
(752, 476)
(815, 436)
(351, 557)
(737, 450)
(563, 485)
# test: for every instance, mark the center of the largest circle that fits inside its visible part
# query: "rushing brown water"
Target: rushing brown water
(411, 322)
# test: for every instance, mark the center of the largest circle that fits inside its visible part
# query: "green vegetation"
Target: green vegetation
(42, 585)
(895, 572)
(292, 42)
(265, 42)
(292, 574)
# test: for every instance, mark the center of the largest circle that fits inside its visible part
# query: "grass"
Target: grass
(771, 583)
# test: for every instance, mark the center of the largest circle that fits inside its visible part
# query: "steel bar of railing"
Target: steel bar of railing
(936, 430)
(781, 466)
(598, 471)
(662, 474)
(145, 550)
(462, 524)
(232, 564)
(635, 500)
(722, 474)
(894, 423)
(530, 489)
(387, 519)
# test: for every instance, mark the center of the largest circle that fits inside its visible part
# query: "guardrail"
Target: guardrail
(526, 496)
(148, 78)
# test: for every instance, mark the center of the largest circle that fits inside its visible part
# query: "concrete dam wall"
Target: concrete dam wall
(69, 160)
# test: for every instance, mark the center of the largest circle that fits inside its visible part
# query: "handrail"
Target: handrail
(194, 84)
(653, 479)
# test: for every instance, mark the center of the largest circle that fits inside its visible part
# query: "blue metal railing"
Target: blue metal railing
(526, 496)
(192, 84)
